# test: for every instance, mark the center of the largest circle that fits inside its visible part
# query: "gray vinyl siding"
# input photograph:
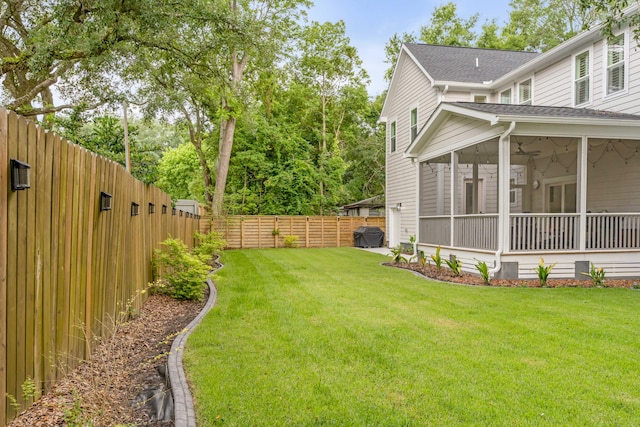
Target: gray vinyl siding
(456, 129)
(413, 90)
(552, 85)
(457, 97)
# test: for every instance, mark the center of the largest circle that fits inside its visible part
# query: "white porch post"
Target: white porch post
(504, 165)
(583, 153)
(454, 191)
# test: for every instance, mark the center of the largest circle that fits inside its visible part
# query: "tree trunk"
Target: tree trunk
(226, 144)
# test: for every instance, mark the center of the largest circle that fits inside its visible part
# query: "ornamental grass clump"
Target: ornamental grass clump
(437, 259)
(483, 269)
(185, 273)
(597, 276)
(543, 272)
(455, 265)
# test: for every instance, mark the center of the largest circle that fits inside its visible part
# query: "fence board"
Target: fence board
(46, 230)
(4, 188)
(31, 307)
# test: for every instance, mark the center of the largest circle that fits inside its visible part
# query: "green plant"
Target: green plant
(291, 241)
(275, 232)
(397, 254)
(184, 272)
(482, 267)
(597, 276)
(437, 259)
(543, 272)
(455, 265)
(209, 245)
(73, 416)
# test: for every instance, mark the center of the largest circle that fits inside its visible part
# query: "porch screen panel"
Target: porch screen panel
(435, 201)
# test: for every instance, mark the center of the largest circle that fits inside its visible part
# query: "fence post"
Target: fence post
(241, 232)
(275, 234)
(306, 233)
(338, 223)
(259, 232)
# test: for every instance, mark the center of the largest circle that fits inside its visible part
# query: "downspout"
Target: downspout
(444, 92)
(417, 193)
(501, 216)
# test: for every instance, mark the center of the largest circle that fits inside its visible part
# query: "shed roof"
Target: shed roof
(544, 111)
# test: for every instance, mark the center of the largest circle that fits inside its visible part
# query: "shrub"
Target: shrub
(208, 245)
(184, 272)
(455, 265)
(396, 254)
(597, 276)
(543, 272)
(291, 241)
(482, 267)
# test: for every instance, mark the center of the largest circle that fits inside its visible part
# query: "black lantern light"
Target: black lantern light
(105, 201)
(164, 209)
(135, 209)
(152, 208)
(173, 211)
(19, 175)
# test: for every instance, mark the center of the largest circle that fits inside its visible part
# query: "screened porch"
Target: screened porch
(564, 194)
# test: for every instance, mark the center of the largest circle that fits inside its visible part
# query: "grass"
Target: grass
(329, 337)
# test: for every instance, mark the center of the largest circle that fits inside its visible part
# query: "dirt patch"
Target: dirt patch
(100, 392)
(446, 275)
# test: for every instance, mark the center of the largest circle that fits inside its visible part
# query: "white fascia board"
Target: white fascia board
(463, 86)
(579, 121)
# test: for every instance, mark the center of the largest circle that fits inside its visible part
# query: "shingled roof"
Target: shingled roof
(458, 64)
(544, 111)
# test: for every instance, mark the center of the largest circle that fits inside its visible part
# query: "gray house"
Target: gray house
(507, 157)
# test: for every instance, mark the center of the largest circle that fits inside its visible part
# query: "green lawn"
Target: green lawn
(328, 336)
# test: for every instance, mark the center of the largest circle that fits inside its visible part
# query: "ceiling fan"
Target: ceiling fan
(521, 152)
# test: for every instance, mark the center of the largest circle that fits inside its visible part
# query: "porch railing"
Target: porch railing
(435, 230)
(554, 232)
(476, 231)
(613, 231)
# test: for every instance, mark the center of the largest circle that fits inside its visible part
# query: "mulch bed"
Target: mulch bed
(446, 275)
(100, 391)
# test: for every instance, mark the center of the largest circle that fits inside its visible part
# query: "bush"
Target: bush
(208, 246)
(184, 272)
(290, 241)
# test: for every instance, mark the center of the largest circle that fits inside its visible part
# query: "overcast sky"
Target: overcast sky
(371, 23)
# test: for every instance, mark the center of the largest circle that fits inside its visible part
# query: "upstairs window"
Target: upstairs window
(582, 79)
(414, 124)
(392, 132)
(480, 99)
(616, 65)
(525, 93)
(505, 97)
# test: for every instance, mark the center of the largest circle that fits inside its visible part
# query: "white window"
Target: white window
(505, 97)
(480, 99)
(582, 79)
(414, 124)
(616, 64)
(392, 132)
(525, 92)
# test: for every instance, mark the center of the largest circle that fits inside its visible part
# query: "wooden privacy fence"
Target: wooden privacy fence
(248, 232)
(68, 268)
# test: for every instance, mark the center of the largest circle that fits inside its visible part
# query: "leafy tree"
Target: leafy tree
(447, 28)
(179, 173)
(44, 43)
(611, 12)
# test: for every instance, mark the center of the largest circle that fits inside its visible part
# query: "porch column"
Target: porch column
(454, 193)
(504, 208)
(474, 203)
(583, 153)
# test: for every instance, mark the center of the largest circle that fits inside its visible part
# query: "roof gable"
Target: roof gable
(467, 64)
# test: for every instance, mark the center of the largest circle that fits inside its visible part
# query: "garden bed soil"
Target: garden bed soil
(446, 275)
(100, 392)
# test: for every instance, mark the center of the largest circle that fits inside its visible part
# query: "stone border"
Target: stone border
(184, 412)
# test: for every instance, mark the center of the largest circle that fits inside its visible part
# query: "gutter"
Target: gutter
(501, 217)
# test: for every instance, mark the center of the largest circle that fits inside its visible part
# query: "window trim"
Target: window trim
(530, 100)
(413, 129)
(510, 90)
(605, 67)
(393, 136)
(589, 76)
